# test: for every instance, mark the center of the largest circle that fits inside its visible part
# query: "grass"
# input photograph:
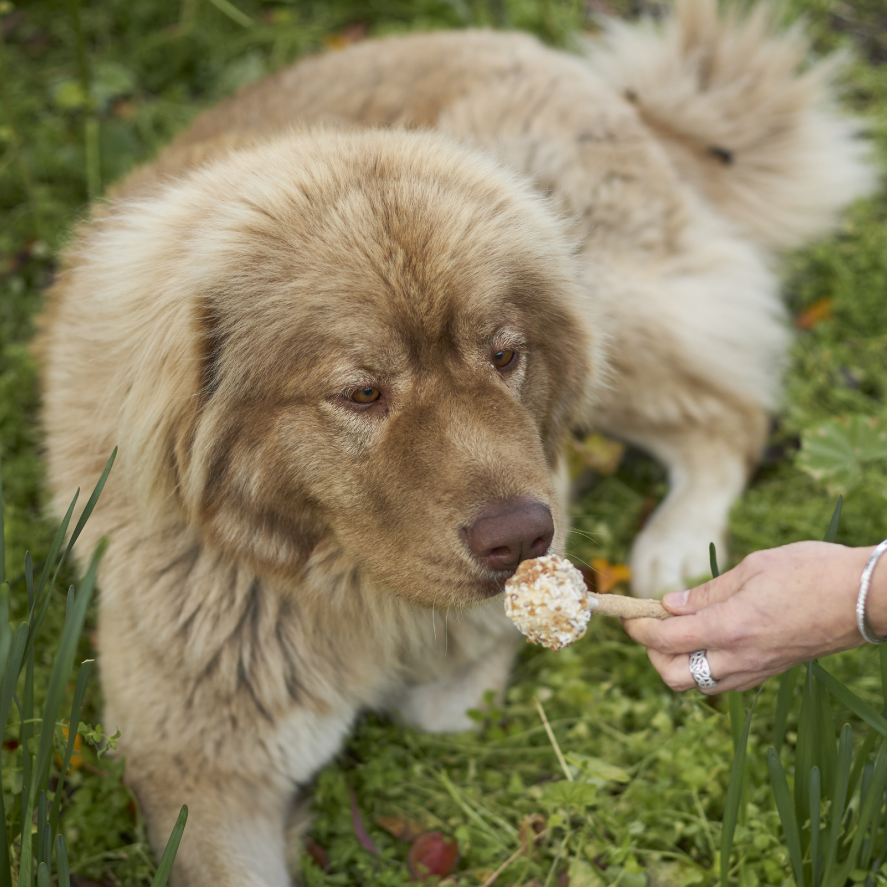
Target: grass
(88, 91)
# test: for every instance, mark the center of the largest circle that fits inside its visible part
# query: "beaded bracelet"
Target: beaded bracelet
(864, 582)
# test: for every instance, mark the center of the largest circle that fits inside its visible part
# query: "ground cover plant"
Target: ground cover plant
(590, 771)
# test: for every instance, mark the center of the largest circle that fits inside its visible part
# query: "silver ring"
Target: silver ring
(701, 671)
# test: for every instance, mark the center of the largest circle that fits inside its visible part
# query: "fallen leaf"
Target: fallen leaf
(360, 832)
(403, 829)
(76, 761)
(317, 853)
(606, 576)
(352, 34)
(432, 855)
(528, 830)
(601, 454)
(817, 313)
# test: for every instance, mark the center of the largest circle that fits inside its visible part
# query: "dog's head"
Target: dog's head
(369, 338)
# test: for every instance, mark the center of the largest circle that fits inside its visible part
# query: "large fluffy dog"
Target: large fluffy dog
(339, 364)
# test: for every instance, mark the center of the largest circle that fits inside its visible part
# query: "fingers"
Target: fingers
(711, 628)
(685, 603)
(675, 671)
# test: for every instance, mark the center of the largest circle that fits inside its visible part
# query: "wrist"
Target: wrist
(876, 600)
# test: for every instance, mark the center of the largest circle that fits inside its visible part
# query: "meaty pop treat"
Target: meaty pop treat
(548, 600)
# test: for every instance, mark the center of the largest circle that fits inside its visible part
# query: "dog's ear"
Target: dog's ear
(217, 455)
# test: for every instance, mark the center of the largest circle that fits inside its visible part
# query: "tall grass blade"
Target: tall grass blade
(43, 875)
(862, 756)
(805, 753)
(815, 795)
(787, 682)
(29, 783)
(172, 847)
(2, 535)
(29, 580)
(867, 809)
(839, 800)
(734, 794)
(74, 722)
(61, 669)
(53, 552)
(41, 828)
(91, 502)
(849, 699)
(61, 862)
(832, 531)
(12, 671)
(64, 659)
(713, 560)
(824, 744)
(5, 872)
(786, 814)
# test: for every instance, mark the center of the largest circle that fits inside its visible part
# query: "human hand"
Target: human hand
(775, 609)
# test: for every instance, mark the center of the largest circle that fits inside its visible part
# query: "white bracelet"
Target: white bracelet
(864, 582)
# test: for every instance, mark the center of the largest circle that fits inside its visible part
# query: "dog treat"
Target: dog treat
(548, 600)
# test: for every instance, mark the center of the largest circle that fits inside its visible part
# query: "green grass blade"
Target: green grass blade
(64, 660)
(786, 814)
(91, 503)
(53, 552)
(12, 671)
(832, 531)
(839, 800)
(734, 793)
(862, 756)
(76, 708)
(849, 699)
(5, 871)
(43, 875)
(713, 560)
(172, 847)
(867, 809)
(815, 795)
(825, 746)
(2, 536)
(41, 828)
(61, 862)
(29, 773)
(29, 580)
(805, 757)
(787, 682)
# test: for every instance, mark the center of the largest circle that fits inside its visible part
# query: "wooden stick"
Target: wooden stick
(628, 607)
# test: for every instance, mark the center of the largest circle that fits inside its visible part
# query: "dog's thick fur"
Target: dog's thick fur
(280, 556)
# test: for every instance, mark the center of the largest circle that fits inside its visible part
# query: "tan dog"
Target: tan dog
(339, 367)
(686, 155)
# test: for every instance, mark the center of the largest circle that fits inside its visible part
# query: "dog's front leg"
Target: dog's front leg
(440, 706)
(234, 836)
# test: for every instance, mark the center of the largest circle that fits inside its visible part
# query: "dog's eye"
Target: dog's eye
(365, 395)
(502, 359)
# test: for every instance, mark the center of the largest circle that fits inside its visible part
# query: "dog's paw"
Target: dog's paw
(666, 558)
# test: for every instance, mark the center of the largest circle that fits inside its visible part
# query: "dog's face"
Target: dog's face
(389, 349)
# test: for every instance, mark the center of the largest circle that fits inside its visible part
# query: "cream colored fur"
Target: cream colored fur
(280, 559)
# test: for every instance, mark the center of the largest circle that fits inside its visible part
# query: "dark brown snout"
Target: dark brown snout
(507, 533)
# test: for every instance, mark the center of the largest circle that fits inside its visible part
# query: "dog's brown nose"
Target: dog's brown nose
(509, 532)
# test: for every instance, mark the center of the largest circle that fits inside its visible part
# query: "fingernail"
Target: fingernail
(676, 599)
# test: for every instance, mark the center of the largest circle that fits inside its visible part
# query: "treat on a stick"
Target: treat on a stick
(548, 600)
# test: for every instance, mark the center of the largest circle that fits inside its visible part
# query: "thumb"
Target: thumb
(685, 603)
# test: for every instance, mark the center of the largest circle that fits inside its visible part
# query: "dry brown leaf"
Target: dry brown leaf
(816, 313)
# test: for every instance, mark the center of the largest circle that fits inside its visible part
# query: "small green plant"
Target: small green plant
(30, 834)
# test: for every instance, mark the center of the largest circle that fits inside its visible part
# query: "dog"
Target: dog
(339, 330)
(339, 367)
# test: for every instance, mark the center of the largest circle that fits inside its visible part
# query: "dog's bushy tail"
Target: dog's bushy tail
(734, 101)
